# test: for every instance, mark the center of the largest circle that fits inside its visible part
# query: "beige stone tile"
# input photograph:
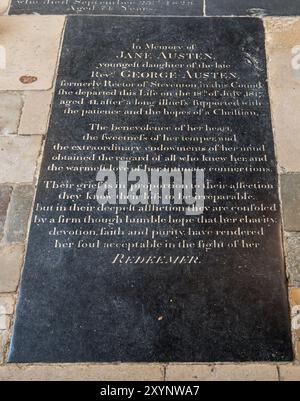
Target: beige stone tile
(298, 350)
(232, 372)
(11, 104)
(19, 211)
(290, 195)
(290, 372)
(295, 304)
(7, 304)
(281, 31)
(284, 83)
(187, 372)
(5, 194)
(3, 343)
(4, 322)
(292, 253)
(10, 267)
(18, 158)
(32, 46)
(4, 4)
(35, 113)
(82, 372)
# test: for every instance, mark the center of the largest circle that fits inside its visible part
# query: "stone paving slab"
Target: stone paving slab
(295, 307)
(7, 303)
(5, 193)
(11, 258)
(30, 67)
(284, 81)
(111, 7)
(18, 214)
(289, 373)
(292, 251)
(35, 113)
(290, 193)
(18, 158)
(242, 372)
(4, 4)
(255, 8)
(82, 372)
(11, 104)
(282, 36)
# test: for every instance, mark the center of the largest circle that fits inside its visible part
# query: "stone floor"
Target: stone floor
(32, 46)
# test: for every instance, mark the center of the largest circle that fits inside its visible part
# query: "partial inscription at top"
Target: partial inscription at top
(110, 7)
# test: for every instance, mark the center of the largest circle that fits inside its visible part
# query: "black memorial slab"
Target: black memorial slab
(149, 282)
(253, 7)
(109, 7)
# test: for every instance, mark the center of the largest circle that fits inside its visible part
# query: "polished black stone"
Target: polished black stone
(161, 93)
(253, 7)
(109, 7)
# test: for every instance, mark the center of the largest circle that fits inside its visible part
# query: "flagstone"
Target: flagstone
(18, 214)
(11, 257)
(293, 258)
(283, 51)
(18, 158)
(4, 4)
(10, 112)
(35, 114)
(290, 194)
(32, 47)
(5, 193)
(289, 372)
(82, 372)
(227, 372)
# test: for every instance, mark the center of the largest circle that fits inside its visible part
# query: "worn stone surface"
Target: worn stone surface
(10, 112)
(243, 372)
(18, 214)
(4, 4)
(18, 158)
(30, 67)
(282, 43)
(4, 322)
(116, 7)
(290, 194)
(295, 309)
(281, 32)
(11, 257)
(7, 303)
(5, 193)
(35, 114)
(82, 372)
(253, 8)
(289, 372)
(3, 344)
(292, 250)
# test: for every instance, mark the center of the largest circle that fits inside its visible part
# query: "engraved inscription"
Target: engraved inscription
(146, 281)
(102, 7)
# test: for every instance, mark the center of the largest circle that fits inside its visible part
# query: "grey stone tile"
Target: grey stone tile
(5, 193)
(290, 192)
